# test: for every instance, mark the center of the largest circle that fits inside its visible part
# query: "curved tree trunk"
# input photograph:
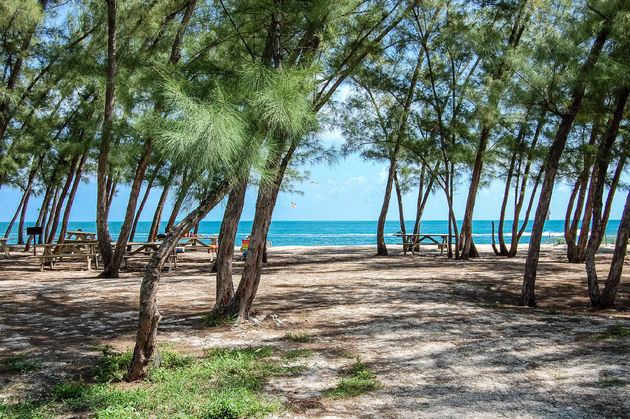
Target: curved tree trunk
(25, 196)
(157, 216)
(503, 251)
(149, 315)
(102, 207)
(225, 252)
(604, 158)
(62, 198)
(141, 207)
(528, 296)
(20, 239)
(73, 192)
(381, 247)
(401, 214)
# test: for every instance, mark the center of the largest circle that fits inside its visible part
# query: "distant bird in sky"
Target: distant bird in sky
(314, 182)
(293, 204)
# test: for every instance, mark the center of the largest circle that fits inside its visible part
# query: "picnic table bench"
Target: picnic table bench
(4, 247)
(197, 241)
(54, 252)
(412, 242)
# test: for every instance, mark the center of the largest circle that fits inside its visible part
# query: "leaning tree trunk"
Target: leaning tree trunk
(22, 218)
(401, 214)
(25, 196)
(528, 296)
(149, 315)
(381, 247)
(599, 225)
(518, 233)
(157, 216)
(141, 207)
(225, 252)
(611, 195)
(102, 207)
(503, 251)
(62, 198)
(243, 298)
(40, 217)
(73, 192)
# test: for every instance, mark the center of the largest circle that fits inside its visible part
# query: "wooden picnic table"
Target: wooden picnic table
(4, 247)
(57, 251)
(80, 235)
(198, 241)
(411, 242)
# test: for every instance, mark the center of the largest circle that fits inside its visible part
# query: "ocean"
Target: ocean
(336, 233)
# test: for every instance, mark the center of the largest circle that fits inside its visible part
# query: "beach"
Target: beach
(443, 337)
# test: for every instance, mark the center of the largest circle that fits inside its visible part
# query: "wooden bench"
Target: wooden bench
(52, 258)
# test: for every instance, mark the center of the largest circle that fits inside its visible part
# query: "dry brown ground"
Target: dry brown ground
(443, 336)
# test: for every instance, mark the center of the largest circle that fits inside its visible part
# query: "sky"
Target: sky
(351, 189)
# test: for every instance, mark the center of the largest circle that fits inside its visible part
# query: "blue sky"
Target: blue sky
(352, 189)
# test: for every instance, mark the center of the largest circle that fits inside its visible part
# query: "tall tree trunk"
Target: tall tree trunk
(112, 269)
(225, 253)
(381, 248)
(611, 194)
(243, 298)
(149, 315)
(520, 194)
(401, 214)
(49, 214)
(142, 204)
(503, 251)
(528, 296)
(575, 251)
(179, 201)
(20, 239)
(157, 216)
(603, 160)
(40, 217)
(62, 198)
(73, 192)
(102, 207)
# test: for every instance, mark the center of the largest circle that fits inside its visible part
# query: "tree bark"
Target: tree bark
(149, 315)
(73, 192)
(225, 253)
(503, 251)
(142, 204)
(599, 226)
(401, 214)
(20, 239)
(62, 198)
(528, 296)
(157, 216)
(102, 207)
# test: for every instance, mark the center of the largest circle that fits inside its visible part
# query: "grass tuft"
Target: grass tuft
(112, 366)
(301, 336)
(357, 380)
(613, 332)
(22, 363)
(611, 382)
(213, 320)
(296, 353)
(552, 311)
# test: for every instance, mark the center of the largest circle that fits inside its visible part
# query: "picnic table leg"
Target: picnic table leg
(89, 263)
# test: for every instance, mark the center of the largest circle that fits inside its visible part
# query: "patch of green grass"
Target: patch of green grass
(23, 410)
(357, 380)
(560, 378)
(611, 382)
(613, 332)
(112, 366)
(297, 353)
(299, 336)
(552, 311)
(66, 391)
(212, 320)
(22, 363)
(224, 384)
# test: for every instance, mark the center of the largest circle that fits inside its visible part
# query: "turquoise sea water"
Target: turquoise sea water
(330, 233)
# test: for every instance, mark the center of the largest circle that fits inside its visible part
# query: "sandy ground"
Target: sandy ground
(443, 336)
